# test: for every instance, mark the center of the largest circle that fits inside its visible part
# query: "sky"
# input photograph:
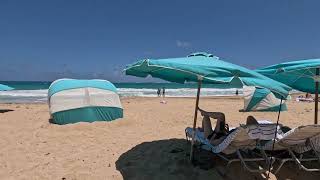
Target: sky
(42, 40)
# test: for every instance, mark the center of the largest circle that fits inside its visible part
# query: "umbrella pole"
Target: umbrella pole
(316, 97)
(195, 120)
(275, 136)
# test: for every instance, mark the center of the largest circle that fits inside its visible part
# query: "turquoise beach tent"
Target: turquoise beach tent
(300, 75)
(261, 99)
(72, 101)
(204, 68)
(5, 88)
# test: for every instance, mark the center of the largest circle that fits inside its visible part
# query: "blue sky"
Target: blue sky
(46, 40)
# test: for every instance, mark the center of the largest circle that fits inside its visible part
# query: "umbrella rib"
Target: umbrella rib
(302, 75)
(287, 73)
(305, 68)
(166, 67)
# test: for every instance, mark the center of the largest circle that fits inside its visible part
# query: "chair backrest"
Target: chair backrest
(264, 131)
(299, 135)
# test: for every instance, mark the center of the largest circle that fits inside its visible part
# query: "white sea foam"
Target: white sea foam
(181, 92)
(40, 96)
(25, 93)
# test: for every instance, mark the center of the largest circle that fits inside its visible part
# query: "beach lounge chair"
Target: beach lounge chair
(239, 144)
(303, 141)
(303, 99)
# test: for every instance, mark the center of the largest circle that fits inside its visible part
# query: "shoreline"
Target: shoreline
(140, 97)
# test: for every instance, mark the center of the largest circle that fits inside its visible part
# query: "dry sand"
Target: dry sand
(148, 143)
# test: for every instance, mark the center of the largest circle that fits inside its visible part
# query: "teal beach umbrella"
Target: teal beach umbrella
(204, 68)
(300, 75)
(5, 88)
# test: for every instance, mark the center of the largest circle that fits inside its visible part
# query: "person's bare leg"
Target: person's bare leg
(220, 119)
(206, 125)
(220, 122)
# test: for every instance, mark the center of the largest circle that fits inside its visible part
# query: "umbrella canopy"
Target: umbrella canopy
(208, 68)
(5, 88)
(299, 75)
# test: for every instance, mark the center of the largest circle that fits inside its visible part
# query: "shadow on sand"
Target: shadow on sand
(5, 110)
(50, 120)
(169, 159)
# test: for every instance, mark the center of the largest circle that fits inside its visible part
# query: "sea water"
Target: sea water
(36, 92)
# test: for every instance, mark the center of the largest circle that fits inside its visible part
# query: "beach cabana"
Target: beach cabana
(204, 68)
(300, 75)
(72, 101)
(261, 99)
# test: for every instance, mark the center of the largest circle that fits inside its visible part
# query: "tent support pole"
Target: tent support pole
(316, 97)
(195, 120)
(275, 136)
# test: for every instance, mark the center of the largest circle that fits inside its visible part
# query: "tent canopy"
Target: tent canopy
(261, 99)
(72, 101)
(66, 84)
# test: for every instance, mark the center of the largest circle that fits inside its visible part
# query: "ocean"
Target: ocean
(36, 92)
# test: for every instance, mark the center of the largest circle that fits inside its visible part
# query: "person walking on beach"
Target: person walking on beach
(158, 92)
(163, 92)
(163, 95)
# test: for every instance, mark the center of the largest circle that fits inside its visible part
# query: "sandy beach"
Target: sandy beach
(148, 143)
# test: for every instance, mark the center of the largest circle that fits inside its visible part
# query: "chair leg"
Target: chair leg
(298, 162)
(243, 162)
(283, 161)
(265, 156)
(315, 151)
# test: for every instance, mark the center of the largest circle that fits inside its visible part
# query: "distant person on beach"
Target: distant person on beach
(221, 129)
(158, 92)
(237, 92)
(163, 92)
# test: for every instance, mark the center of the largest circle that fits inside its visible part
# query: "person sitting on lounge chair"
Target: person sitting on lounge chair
(221, 129)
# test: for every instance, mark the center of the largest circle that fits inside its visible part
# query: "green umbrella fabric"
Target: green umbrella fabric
(207, 67)
(5, 88)
(297, 74)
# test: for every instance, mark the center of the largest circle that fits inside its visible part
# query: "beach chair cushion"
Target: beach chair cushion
(264, 130)
(237, 139)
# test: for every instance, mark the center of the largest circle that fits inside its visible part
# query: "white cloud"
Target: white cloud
(183, 44)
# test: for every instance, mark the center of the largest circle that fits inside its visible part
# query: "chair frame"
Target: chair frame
(299, 160)
(240, 158)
